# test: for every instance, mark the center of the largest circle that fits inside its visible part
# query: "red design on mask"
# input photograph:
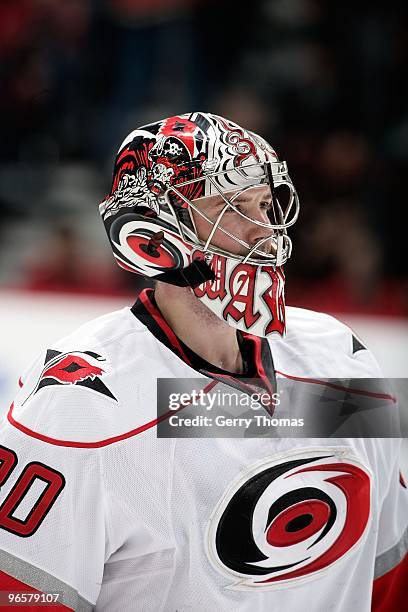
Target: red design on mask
(213, 289)
(274, 298)
(241, 287)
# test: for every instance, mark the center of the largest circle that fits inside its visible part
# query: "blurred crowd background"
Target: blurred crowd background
(325, 82)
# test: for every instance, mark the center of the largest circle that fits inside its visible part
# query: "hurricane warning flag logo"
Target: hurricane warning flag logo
(76, 368)
(286, 521)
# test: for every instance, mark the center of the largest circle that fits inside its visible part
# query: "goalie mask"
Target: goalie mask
(166, 178)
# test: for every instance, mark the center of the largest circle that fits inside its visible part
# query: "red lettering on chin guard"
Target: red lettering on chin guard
(236, 290)
(274, 298)
(241, 287)
(213, 289)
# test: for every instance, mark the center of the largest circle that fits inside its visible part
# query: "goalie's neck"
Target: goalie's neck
(198, 328)
(258, 371)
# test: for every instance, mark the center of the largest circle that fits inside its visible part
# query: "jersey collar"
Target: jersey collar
(259, 372)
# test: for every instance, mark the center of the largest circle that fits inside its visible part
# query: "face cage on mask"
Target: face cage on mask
(274, 174)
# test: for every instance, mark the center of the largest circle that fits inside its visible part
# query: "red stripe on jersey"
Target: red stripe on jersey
(100, 443)
(10, 585)
(390, 590)
(315, 381)
(157, 316)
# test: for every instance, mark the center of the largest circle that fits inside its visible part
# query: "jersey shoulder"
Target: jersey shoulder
(304, 323)
(76, 391)
(319, 344)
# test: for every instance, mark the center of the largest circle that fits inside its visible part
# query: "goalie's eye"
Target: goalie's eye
(236, 208)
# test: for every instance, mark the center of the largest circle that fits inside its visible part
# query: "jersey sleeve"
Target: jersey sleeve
(83, 502)
(52, 520)
(391, 565)
(52, 495)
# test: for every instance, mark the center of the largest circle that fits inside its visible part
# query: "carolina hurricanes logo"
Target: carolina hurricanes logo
(77, 368)
(131, 238)
(286, 521)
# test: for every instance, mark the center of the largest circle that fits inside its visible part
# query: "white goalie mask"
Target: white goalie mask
(167, 175)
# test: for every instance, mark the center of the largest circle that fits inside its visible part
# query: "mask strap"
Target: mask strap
(195, 274)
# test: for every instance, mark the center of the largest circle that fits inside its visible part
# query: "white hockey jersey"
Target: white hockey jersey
(94, 507)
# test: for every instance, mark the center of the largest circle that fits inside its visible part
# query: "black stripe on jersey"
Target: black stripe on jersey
(357, 346)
